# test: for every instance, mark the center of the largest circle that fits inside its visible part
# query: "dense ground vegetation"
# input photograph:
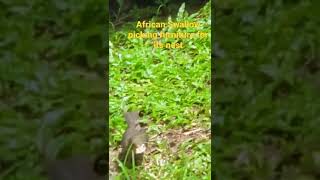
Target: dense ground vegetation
(172, 89)
(52, 83)
(266, 88)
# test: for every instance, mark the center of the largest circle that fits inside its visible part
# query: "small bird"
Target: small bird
(134, 141)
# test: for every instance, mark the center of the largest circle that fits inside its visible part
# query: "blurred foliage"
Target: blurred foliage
(52, 82)
(123, 11)
(267, 105)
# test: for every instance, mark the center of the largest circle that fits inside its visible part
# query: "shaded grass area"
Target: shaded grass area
(172, 89)
(52, 83)
(267, 90)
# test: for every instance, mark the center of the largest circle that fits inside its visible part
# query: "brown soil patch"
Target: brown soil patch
(164, 146)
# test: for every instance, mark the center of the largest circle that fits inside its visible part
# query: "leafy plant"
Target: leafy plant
(263, 89)
(172, 89)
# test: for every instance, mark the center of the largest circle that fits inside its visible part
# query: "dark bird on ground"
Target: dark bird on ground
(134, 141)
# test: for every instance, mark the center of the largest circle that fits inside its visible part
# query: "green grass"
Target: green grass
(172, 88)
(50, 54)
(267, 90)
